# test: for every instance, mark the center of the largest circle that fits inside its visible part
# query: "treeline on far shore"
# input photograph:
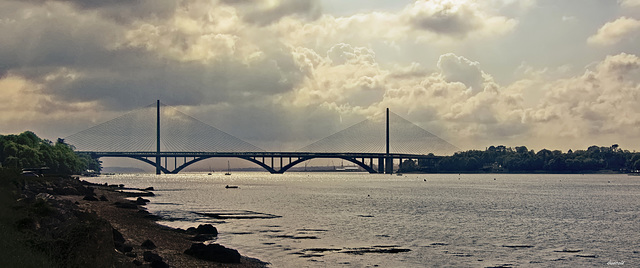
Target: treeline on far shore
(502, 159)
(28, 151)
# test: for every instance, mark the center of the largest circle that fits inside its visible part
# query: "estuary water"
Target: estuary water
(415, 220)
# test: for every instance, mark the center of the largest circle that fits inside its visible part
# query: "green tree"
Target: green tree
(27, 150)
(408, 166)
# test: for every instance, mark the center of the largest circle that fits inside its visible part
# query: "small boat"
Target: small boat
(228, 170)
(210, 170)
(398, 174)
(231, 187)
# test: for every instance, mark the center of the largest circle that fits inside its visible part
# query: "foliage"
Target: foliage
(27, 150)
(521, 159)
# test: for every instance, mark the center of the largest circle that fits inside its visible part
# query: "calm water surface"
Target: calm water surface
(346, 219)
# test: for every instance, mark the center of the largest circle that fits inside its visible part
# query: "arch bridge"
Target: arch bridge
(273, 162)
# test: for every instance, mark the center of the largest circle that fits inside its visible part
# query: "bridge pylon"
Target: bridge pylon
(158, 163)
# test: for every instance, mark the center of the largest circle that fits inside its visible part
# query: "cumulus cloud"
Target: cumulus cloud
(347, 75)
(460, 69)
(434, 21)
(629, 3)
(457, 18)
(457, 98)
(343, 53)
(615, 31)
(598, 103)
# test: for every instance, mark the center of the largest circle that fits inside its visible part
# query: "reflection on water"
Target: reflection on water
(359, 220)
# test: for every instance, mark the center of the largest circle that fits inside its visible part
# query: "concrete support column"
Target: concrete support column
(388, 166)
(381, 165)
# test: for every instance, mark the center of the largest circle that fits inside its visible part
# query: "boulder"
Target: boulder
(203, 237)
(149, 256)
(207, 229)
(213, 252)
(66, 190)
(88, 189)
(124, 248)
(117, 236)
(159, 264)
(141, 201)
(148, 244)
(103, 198)
(90, 198)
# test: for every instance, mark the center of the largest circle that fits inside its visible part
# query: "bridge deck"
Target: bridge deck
(294, 158)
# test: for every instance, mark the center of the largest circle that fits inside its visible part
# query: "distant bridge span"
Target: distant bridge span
(261, 158)
(188, 141)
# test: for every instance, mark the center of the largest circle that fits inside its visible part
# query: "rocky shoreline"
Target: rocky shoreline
(97, 225)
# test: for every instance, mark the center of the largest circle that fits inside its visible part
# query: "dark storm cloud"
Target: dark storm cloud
(121, 10)
(75, 59)
(310, 9)
(34, 40)
(136, 78)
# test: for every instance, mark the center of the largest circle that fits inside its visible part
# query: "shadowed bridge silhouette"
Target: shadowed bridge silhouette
(159, 132)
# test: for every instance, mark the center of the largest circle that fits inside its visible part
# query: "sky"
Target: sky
(284, 73)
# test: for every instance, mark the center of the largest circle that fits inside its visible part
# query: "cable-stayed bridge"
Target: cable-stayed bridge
(170, 140)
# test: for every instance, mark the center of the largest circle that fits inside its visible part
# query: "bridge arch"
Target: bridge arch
(250, 159)
(350, 159)
(198, 159)
(166, 171)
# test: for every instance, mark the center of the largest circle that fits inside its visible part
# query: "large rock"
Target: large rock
(117, 236)
(124, 248)
(90, 198)
(213, 252)
(148, 244)
(149, 256)
(203, 237)
(159, 264)
(207, 229)
(141, 201)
